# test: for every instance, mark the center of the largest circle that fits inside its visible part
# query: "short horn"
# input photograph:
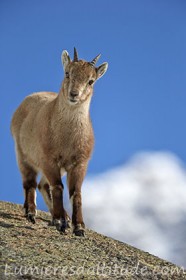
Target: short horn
(75, 55)
(94, 61)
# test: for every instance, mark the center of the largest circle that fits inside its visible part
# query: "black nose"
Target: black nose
(74, 93)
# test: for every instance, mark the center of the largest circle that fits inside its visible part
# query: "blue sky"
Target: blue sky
(139, 105)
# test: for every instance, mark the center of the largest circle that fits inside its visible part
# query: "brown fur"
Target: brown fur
(53, 134)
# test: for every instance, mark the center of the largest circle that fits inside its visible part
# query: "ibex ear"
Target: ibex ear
(65, 58)
(101, 70)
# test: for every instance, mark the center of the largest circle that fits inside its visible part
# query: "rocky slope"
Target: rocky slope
(38, 251)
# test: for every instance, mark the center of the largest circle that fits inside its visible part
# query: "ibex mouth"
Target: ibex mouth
(72, 100)
(73, 96)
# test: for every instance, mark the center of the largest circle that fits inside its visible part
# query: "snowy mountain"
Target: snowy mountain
(142, 203)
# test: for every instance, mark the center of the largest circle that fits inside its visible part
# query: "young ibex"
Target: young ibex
(53, 135)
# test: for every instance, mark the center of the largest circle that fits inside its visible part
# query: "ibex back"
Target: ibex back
(53, 135)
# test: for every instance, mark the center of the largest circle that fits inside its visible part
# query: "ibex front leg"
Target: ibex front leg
(75, 179)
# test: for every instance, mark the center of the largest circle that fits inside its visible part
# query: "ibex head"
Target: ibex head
(80, 77)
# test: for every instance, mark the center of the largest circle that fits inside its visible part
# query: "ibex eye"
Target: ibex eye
(91, 82)
(67, 74)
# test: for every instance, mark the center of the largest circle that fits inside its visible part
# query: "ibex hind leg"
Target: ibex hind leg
(45, 190)
(29, 186)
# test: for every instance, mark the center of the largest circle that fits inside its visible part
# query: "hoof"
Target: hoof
(31, 218)
(61, 225)
(79, 230)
